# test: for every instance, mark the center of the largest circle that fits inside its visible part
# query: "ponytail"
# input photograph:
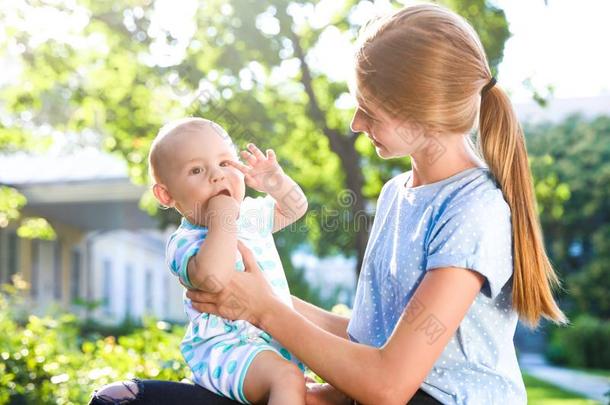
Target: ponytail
(430, 62)
(502, 145)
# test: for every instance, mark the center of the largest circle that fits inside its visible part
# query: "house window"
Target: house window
(35, 268)
(13, 255)
(148, 292)
(9, 255)
(107, 286)
(75, 275)
(128, 290)
(57, 273)
(3, 257)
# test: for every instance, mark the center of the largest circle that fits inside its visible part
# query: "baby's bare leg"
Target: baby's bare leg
(272, 379)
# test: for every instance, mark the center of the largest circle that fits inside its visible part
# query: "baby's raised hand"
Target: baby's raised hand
(262, 172)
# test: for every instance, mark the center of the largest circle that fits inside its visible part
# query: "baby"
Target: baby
(195, 169)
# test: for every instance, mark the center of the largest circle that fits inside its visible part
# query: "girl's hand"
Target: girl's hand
(247, 295)
(262, 172)
(325, 394)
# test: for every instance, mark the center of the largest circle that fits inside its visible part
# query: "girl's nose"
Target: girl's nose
(358, 123)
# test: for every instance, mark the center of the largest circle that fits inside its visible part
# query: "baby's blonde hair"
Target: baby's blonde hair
(184, 125)
(426, 64)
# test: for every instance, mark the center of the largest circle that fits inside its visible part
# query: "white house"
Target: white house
(107, 250)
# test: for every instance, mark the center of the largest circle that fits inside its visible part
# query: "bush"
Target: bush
(584, 344)
(45, 361)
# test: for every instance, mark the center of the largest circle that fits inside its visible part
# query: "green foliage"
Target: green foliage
(60, 360)
(11, 202)
(45, 361)
(584, 344)
(551, 195)
(569, 162)
(104, 75)
(36, 228)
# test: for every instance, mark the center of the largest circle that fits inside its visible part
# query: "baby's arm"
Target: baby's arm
(264, 174)
(290, 202)
(213, 265)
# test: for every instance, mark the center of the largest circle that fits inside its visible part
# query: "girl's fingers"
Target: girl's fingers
(205, 308)
(239, 166)
(201, 296)
(247, 257)
(256, 151)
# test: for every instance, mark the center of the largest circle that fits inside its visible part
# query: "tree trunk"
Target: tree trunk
(343, 146)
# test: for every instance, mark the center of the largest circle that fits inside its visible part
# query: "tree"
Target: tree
(255, 57)
(573, 176)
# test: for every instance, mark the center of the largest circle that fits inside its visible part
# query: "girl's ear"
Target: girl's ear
(162, 195)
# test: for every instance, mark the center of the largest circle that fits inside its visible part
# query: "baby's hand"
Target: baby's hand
(262, 172)
(221, 209)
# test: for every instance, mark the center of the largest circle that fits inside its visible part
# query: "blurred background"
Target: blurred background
(85, 85)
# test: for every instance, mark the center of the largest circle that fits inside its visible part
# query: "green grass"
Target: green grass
(542, 393)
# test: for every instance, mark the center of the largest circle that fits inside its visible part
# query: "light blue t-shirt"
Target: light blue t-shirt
(461, 221)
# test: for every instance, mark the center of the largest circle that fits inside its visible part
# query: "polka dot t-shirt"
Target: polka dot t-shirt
(462, 221)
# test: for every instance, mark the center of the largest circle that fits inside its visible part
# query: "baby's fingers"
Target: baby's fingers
(239, 166)
(248, 157)
(256, 151)
(271, 155)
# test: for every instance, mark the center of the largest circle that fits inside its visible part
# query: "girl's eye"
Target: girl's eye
(224, 164)
(196, 170)
(369, 116)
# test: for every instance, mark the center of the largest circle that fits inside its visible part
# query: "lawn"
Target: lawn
(542, 393)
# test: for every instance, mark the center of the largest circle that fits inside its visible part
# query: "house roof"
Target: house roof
(87, 189)
(86, 164)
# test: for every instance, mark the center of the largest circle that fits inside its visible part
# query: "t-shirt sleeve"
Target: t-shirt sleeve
(256, 215)
(183, 245)
(475, 234)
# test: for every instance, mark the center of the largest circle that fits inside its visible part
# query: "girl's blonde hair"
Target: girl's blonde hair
(426, 65)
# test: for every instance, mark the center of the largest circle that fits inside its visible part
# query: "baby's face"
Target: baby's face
(197, 170)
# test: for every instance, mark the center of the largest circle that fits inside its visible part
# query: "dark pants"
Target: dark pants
(156, 392)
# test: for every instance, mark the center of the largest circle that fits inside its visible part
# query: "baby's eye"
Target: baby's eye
(224, 163)
(196, 170)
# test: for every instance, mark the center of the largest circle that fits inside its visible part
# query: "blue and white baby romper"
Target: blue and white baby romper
(217, 350)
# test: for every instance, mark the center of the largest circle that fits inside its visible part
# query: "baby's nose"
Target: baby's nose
(217, 176)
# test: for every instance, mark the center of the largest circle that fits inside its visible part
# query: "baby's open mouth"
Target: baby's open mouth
(224, 192)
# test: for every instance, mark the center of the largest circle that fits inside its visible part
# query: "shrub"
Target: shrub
(44, 360)
(583, 344)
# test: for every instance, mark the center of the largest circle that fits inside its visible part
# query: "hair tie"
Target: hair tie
(488, 86)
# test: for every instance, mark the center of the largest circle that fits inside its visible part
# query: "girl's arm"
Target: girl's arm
(333, 323)
(388, 375)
